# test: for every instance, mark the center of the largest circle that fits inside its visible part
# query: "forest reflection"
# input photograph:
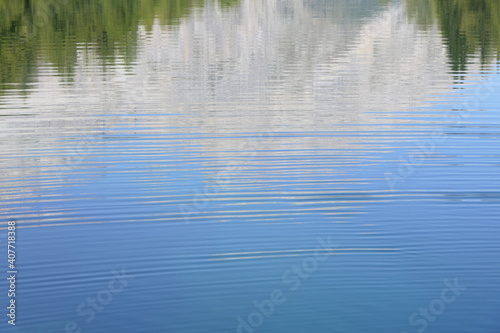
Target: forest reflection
(469, 27)
(52, 30)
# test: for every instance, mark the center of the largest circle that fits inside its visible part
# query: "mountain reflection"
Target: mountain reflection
(53, 31)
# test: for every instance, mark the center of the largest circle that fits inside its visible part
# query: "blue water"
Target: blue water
(264, 167)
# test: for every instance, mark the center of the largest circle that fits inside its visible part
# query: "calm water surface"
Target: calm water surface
(252, 166)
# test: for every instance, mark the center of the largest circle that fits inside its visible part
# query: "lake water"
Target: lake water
(251, 166)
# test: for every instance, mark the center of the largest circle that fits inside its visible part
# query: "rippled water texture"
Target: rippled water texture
(251, 166)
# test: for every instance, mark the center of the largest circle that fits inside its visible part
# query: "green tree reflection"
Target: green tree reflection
(469, 27)
(53, 30)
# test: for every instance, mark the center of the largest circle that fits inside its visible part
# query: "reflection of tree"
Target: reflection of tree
(228, 3)
(468, 26)
(53, 30)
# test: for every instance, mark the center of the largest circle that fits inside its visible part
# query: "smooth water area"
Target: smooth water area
(251, 166)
